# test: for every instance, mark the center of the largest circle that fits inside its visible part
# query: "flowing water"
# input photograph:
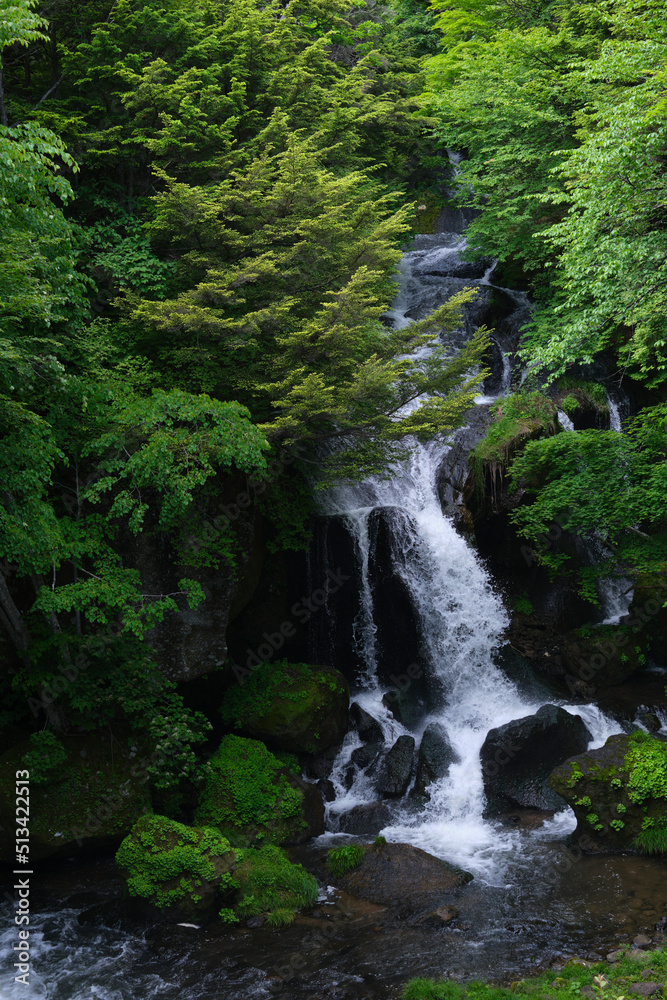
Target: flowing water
(532, 900)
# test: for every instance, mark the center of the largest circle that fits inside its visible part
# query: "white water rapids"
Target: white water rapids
(462, 619)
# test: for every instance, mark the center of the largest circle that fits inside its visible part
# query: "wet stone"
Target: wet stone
(641, 941)
(369, 729)
(396, 768)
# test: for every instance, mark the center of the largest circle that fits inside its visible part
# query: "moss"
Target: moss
(517, 419)
(248, 796)
(344, 859)
(646, 763)
(292, 706)
(599, 979)
(92, 798)
(169, 864)
(270, 885)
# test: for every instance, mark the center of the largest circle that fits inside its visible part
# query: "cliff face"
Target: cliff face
(192, 642)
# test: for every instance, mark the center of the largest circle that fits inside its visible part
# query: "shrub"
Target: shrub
(270, 884)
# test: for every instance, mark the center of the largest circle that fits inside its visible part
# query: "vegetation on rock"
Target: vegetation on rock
(171, 865)
(248, 796)
(290, 706)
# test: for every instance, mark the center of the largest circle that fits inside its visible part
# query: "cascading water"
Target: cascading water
(461, 617)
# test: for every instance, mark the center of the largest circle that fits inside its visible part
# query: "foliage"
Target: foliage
(247, 794)
(270, 884)
(167, 863)
(45, 758)
(344, 859)
(602, 978)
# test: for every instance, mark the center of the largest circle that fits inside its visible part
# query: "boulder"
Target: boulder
(618, 794)
(605, 659)
(395, 768)
(517, 759)
(369, 729)
(366, 755)
(89, 801)
(290, 706)
(434, 758)
(365, 820)
(402, 875)
(253, 797)
(176, 869)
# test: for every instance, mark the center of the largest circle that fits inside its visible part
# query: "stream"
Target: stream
(532, 901)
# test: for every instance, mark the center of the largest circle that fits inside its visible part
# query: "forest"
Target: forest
(206, 210)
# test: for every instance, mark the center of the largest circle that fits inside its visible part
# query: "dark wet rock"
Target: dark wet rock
(319, 767)
(596, 786)
(366, 755)
(398, 627)
(312, 809)
(404, 876)
(529, 818)
(447, 913)
(434, 758)
(366, 819)
(406, 705)
(369, 729)
(650, 721)
(517, 759)
(395, 768)
(327, 789)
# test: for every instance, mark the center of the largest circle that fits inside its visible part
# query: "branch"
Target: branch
(50, 91)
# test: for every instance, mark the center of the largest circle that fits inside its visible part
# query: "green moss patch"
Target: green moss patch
(270, 885)
(290, 706)
(248, 795)
(608, 982)
(171, 865)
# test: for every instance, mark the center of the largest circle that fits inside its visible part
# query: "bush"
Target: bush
(45, 758)
(269, 884)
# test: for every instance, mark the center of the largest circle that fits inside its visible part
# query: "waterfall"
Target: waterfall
(461, 616)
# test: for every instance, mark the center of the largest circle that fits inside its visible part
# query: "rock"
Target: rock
(89, 802)
(642, 941)
(517, 759)
(369, 729)
(395, 768)
(604, 662)
(645, 989)
(192, 642)
(615, 956)
(327, 789)
(294, 707)
(434, 758)
(405, 708)
(638, 956)
(447, 913)
(252, 798)
(177, 869)
(650, 721)
(364, 756)
(402, 875)
(365, 820)
(597, 787)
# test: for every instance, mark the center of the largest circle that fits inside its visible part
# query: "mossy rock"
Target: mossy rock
(585, 403)
(609, 657)
(175, 868)
(89, 802)
(517, 419)
(618, 794)
(252, 797)
(290, 706)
